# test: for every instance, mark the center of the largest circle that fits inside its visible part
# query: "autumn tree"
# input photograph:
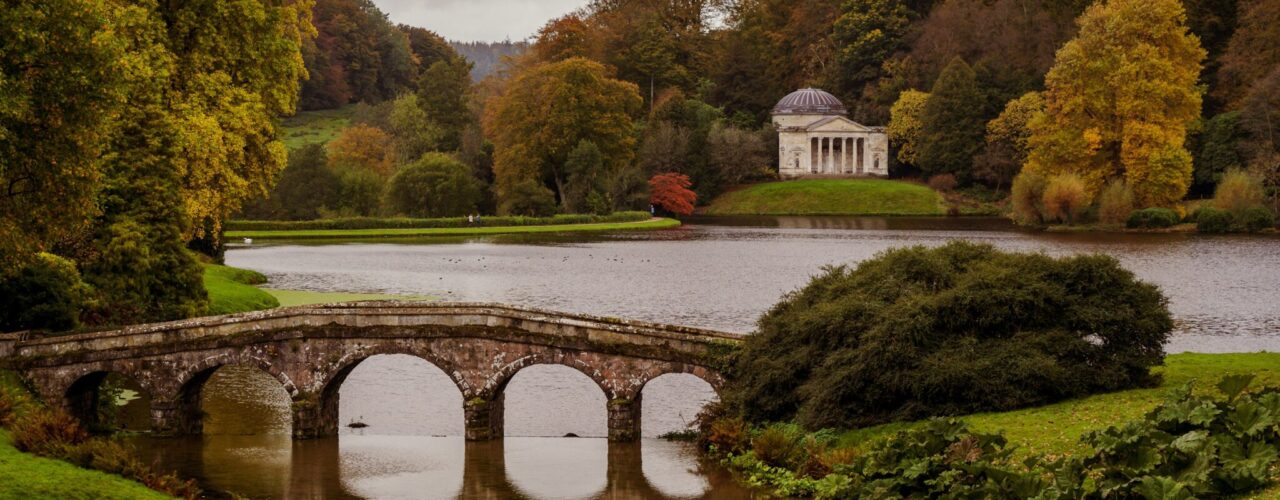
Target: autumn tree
(1119, 100)
(427, 46)
(60, 86)
(1251, 52)
(1006, 145)
(906, 125)
(671, 192)
(363, 148)
(358, 55)
(563, 38)
(952, 124)
(550, 108)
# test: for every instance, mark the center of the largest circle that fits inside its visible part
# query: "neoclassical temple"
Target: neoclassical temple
(815, 138)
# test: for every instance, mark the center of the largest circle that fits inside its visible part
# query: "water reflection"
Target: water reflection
(422, 467)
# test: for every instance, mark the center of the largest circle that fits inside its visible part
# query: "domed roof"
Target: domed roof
(809, 102)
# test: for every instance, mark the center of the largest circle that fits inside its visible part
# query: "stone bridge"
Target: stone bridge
(311, 350)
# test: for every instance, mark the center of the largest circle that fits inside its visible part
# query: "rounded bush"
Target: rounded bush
(1258, 218)
(963, 328)
(47, 294)
(436, 185)
(1213, 220)
(1153, 218)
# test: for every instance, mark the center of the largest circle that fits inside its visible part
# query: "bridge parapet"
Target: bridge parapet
(312, 349)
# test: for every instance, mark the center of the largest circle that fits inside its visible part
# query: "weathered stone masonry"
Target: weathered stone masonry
(311, 350)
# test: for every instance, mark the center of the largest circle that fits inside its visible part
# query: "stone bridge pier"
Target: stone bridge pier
(311, 350)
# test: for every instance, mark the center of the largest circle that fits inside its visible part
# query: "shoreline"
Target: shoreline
(359, 234)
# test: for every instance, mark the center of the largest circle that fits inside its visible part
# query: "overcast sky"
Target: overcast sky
(478, 20)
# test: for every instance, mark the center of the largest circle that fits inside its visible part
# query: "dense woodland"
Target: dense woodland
(161, 121)
(974, 92)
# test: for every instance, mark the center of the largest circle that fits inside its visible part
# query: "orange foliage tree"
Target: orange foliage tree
(671, 192)
(362, 147)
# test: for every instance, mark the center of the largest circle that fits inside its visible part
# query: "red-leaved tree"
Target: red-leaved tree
(671, 192)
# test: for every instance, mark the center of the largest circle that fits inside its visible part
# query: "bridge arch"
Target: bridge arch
(179, 411)
(329, 400)
(83, 398)
(684, 392)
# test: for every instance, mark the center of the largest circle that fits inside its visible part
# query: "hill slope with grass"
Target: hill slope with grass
(830, 197)
(315, 127)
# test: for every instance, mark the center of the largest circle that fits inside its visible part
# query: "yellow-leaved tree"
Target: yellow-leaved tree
(546, 111)
(1119, 99)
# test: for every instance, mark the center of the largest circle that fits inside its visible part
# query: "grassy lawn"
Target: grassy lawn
(830, 197)
(315, 127)
(28, 476)
(23, 475)
(351, 234)
(1056, 429)
(232, 290)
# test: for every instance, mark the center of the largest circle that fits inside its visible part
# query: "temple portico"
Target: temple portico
(815, 138)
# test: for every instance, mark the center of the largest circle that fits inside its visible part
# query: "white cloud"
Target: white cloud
(478, 20)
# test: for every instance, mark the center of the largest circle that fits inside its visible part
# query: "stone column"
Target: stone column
(861, 156)
(837, 162)
(624, 419)
(483, 418)
(176, 417)
(815, 147)
(313, 418)
(851, 143)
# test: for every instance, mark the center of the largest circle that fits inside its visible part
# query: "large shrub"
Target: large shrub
(434, 186)
(963, 328)
(1152, 218)
(1239, 191)
(1212, 220)
(1115, 203)
(45, 295)
(1065, 198)
(1028, 198)
(1257, 218)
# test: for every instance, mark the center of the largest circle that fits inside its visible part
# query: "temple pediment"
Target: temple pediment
(837, 124)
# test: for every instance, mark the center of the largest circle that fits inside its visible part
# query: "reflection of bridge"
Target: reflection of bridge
(311, 350)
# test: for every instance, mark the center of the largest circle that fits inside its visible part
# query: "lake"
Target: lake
(720, 273)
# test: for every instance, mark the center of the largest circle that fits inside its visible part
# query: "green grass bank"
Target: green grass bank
(315, 127)
(830, 197)
(389, 232)
(24, 475)
(1056, 429)
(232, 290)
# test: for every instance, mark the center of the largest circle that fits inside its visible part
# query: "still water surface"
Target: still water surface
(721, 274)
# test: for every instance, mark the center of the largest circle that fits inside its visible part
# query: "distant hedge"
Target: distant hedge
(959, 329)
(449, 222)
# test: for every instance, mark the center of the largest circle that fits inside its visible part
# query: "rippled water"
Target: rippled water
(1223, 291)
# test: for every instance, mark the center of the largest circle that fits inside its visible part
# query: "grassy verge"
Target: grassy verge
(290, 298)
(315, 127)
(347, 234)
(830, 197)
(1055, 429)
(24, 475)
(232, 290)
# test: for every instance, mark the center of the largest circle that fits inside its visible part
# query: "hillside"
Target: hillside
(315, 127)
(830, 197)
